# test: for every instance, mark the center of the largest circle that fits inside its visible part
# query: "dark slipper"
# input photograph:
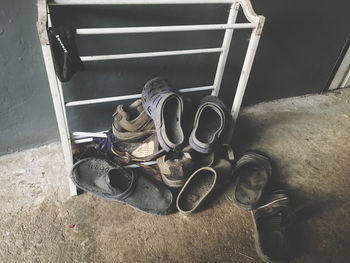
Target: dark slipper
(252, 173)
(112, 182)
(209, 124)
(201, 184)
(165, 108)
(271, 223)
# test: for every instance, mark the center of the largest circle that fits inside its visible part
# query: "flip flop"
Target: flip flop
(165, 107)
(201, 184)
(271, 222)
(209, 124)
(252, 171)
(112, 182)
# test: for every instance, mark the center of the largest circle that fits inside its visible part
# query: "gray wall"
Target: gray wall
(300, 44)
(26, 111)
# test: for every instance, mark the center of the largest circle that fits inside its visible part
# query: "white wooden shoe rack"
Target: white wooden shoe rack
(255, 24)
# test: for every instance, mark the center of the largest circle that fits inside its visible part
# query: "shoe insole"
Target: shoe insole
(90, 176)
(251, 182)
(119, 180)
(171, 117)
(208, 125)
(198, 187)
(140, 149)
(133, 113)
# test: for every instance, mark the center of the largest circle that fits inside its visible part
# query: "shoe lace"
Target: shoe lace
(105, 144)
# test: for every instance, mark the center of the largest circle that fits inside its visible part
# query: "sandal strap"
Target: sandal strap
(254, 158)
(276, 207)
(152, 93)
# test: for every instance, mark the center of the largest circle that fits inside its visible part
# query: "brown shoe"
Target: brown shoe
(142, 149)
(135, 136)
(131, 122)
(175, 168)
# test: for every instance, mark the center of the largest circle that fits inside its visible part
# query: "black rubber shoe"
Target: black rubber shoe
(112, 182)
(271, 223)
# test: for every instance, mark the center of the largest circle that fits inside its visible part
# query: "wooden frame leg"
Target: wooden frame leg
(56, 92)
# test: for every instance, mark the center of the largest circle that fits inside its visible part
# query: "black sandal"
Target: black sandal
(112, 182)
(252, 171)
(271, 222)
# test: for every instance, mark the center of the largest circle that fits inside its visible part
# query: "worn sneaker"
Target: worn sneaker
(131, 122)
(135, 136)
(175, 168)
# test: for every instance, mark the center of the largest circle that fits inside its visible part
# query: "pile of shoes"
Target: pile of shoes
(188, 163)
(151, 128)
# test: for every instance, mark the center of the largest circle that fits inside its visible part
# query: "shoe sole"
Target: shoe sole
(173, 183)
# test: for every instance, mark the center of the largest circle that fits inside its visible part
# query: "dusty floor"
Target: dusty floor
(307, 137)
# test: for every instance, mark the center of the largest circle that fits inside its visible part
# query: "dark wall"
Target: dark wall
(299, 45)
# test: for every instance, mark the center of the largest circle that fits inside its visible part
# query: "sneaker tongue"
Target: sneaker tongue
(120, 182)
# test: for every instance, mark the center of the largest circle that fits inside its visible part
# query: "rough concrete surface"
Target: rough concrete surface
(308, 139)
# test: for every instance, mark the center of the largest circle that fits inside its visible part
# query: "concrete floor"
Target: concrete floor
(308, 139)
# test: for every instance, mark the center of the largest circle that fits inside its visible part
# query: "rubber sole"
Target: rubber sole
(173, 183)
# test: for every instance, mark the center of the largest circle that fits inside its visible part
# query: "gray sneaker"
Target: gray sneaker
(175, 168)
